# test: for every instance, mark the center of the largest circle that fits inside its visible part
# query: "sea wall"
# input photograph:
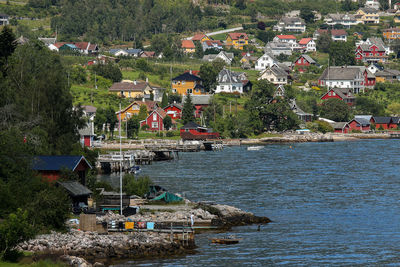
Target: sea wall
(95, 247)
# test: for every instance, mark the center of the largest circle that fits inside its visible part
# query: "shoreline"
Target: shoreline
(103, 249)
(284, 138)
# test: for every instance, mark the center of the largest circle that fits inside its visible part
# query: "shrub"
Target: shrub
(14, 230)
(170, 134)
(136, 186)
(145, 127)
(356, 131)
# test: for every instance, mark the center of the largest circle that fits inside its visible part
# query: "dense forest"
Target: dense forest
(36, 118)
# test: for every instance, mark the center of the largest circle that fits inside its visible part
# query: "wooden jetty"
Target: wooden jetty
(395, 135)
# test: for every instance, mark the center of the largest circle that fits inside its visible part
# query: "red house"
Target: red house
(341, 127)
(371, 53)
(155, 121)
(304, 61)
(385, 123)
(359, 124)
(193, 131)
(340, 93)
(50, 167)
(174, 110)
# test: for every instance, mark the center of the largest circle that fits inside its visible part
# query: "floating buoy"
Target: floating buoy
(290, 147)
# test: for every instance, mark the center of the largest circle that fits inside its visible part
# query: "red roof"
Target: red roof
(338, 32)
(286, 37)
(238, 35)
(198, 37)
(59, 44)
(210, 42)
(187, 44)
(82, 45)
(194, 72)
(305, 41)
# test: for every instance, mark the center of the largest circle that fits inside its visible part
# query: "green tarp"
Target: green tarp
(168, 197)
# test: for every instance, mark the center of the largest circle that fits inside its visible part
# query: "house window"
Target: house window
(222, 87)
(272, 79)
(333, 93)
(154, 116)
(154, 124)
(189, 91)
(174, 91)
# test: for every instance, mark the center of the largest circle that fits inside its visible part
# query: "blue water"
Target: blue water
(331, 203)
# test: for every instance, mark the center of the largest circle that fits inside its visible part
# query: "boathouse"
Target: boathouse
(193, 131)
(359, 124)
(155, 121)
(51, 167)
(385, 123)
(77, 192)
(174, 110)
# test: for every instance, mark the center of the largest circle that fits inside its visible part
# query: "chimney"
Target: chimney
(134, 82)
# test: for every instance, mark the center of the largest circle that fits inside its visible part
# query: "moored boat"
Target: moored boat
(255, 147)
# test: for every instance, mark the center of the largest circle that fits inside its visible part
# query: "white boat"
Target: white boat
(255, 148)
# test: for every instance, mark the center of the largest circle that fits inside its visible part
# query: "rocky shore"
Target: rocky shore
(95, 247)
(289, 137)
(78, 248)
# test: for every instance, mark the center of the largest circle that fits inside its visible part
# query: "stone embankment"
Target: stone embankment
(95, 247)
(222, 216)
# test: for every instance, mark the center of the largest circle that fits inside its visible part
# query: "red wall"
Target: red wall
(353, 126)
(177, 111)
(86, 140)
(327, 96)
(149, 121)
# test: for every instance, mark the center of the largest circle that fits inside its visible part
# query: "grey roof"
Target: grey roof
(293, 106)
(75, 189)
(362, 121)
(369, 10)
(89, 109)
(48, 41)
(278, 70)
(134, 51)
(199, 99)
(227, 76)
(87, 130)
(278, 46)
(383, 120)
(365, 117)
(338, 125)
(337, 16)
(396, 120)
(309, 59)
(292, 20)
(340, 73)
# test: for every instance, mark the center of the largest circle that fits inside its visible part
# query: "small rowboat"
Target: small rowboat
(226, 241)
(253, 148)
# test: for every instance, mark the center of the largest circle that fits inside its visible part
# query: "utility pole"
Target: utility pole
(120, 154)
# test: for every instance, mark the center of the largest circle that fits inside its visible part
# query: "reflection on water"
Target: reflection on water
(331, 203)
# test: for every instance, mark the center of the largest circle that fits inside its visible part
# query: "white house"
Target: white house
(346, 20)
(4, 19)
(308, 45)
(275, 75)
(373, 4)
(225, 56)
(290, 24)
(266, 60)
(229, 82)
(278, 48)
(351, 77)
(373, 68)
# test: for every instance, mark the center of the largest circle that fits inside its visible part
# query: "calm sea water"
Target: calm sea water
(331, 203)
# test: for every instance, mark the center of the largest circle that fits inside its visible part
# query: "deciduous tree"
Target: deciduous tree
(335, 109)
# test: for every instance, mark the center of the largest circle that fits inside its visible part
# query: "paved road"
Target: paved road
(219, 32)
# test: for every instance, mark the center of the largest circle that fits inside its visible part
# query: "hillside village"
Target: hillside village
(306, 56)
(156, 74)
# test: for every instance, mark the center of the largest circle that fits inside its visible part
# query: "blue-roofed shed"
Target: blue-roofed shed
(50, 167)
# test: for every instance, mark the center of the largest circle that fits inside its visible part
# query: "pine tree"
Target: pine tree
(188, 110)
(164, 100)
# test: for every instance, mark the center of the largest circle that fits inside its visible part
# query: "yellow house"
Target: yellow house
(367, 15)
(201, 38)
(237, 40)
(131, 89)
(188, 46)
(396, 18)
(134, 108)
(187, 83)
(391, 33)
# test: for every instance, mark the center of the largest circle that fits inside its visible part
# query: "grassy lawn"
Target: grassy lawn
(36, 24)
(87, 95)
